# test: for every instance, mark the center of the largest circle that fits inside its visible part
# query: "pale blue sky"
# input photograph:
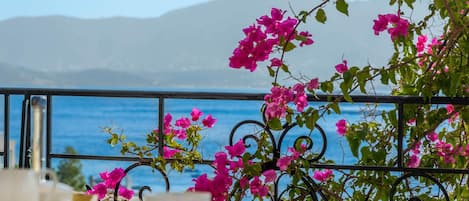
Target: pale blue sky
(91, 8)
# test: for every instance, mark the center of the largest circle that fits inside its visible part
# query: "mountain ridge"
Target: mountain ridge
(192, 43)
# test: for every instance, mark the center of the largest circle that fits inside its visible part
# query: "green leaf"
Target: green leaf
(312, 119)
(335, 107)
(354, 143)
(342, 6)
(384, 77)
(392, 77)
(327, 86)
(290, 46)
(271, 71)
(344, 87)
(410, 3)
(321, 16)
(303, 15)
(275, 124)
(285, 68)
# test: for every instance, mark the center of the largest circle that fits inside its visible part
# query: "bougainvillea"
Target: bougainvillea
(423, 64)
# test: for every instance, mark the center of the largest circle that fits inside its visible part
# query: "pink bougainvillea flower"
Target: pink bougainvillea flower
(252, 49)
(341, 126)
(295, 154)
(220, 162)
(399, 26)
(277, 102)
(114, 177)
(300, 98)
(464, 150)
(313, 84)
(421, 40)
(277, 14)
(449, 108)
(195, 114)
(237, 149)
(453, 117)
(183, 122)
(167, 124)
(307, 38)
(169, 153)
(236, 165)
(449, 159)
(276, 62)
(380, 24)
(322, 176)
(270, 175)
(99, 189)
(244, 182)
(180, 134)
(416, 148)
(411, 122)
(447, 151)
(202, 183)
(284, 162)
(342, 67)
(433, 136)
(414, 161)
(126, 193)
(168, 118)
(257, 188)
(434, 43)
(209, 121)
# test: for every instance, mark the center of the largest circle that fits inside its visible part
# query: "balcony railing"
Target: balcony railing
(161, 96)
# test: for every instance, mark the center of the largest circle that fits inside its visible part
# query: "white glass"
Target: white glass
(29, 185)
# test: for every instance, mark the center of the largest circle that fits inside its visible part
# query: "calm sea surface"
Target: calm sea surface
(78, 122)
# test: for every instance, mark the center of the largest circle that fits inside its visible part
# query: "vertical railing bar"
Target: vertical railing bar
(400, 134)
(27, 162)
(24, 113)
(6, 131)
(48, 130)
(161, 126)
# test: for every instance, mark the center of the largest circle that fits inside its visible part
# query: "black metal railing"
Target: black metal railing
(161, 96)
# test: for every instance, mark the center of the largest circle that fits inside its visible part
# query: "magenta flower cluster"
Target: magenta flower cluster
(277, 101)
(261, 38)
(341, 67)
(110, 180)
(422, 45)
(284, 162)
(180, 127)
(445, 150)
(323, 176)
(399, 26)
(227, 166)
(341, 126)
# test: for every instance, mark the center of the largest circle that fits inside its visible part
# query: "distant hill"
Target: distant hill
(184, 48)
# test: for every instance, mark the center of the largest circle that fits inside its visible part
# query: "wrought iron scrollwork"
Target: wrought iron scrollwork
(143, 188)
(417, 174)
(311, 189)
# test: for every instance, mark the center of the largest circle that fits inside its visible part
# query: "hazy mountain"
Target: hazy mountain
(184, 48)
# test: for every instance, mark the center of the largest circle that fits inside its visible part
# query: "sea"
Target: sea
(79, 122)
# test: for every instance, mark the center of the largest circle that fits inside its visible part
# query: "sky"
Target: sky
(91, 8)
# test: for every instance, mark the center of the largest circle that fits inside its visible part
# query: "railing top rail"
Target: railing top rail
(225, 95)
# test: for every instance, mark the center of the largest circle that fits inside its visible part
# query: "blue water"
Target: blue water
(78, 122)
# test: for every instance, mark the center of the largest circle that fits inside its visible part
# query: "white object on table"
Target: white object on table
(184, 196)
(23, 184)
